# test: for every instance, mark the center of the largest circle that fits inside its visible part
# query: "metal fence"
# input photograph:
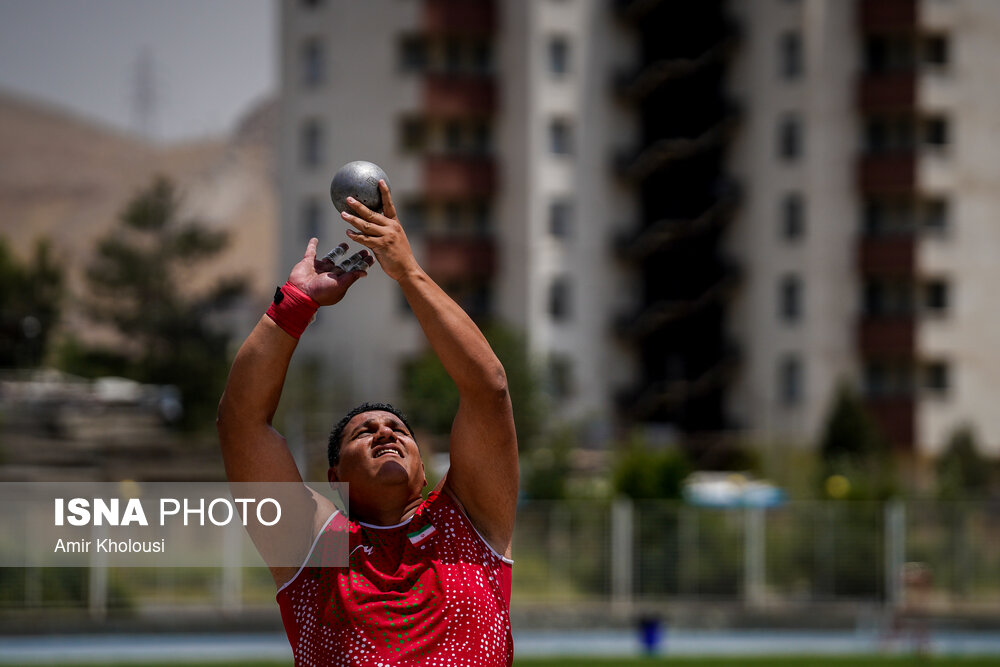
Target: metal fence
(945, 556)
(942, 556)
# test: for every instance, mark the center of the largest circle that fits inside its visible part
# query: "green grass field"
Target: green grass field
(727, 661)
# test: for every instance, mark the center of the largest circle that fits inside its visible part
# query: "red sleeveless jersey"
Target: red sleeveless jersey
(429, 591)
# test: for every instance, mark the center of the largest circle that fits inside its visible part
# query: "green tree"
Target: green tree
(642, 473)
(430, 398)
(30, 299)
(546, 471)
(137, 283)
(962, 472)
(852, 446)
(849, 432)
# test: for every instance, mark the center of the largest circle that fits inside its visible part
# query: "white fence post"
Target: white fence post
(621, 553)
(232, 570)
(97, 583)
(687, 551)
(895, 553)
(754, 546)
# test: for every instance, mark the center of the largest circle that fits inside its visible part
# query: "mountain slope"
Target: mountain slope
(66, 179)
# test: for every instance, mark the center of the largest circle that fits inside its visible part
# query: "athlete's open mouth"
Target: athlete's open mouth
(387, 449)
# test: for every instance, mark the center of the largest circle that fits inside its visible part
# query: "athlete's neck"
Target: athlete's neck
(385, 516)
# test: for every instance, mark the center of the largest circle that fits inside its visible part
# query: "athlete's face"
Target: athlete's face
(377, 449)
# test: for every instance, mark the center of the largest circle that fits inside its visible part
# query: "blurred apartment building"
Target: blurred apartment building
(703, 215)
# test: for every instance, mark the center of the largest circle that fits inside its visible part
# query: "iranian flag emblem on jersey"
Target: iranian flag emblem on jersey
(420, 536)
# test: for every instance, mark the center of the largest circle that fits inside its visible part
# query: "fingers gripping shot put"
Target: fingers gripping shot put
(428, 581)
(358, 179)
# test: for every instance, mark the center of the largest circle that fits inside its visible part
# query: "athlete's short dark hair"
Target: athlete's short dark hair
(333, 445)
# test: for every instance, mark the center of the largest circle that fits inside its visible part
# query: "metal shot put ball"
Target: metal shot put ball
(358, 179)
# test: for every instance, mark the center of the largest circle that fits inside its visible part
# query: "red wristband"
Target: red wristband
(292, 310)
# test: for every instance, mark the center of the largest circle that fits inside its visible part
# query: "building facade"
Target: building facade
(701, 215)
(494, 123)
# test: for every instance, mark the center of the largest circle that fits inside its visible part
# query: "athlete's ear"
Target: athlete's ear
(331, 475)
(423, 472)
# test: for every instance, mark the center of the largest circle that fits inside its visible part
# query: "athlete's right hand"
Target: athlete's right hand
(382, 234)
(324, 282)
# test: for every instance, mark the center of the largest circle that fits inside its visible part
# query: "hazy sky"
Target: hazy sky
(210, 59)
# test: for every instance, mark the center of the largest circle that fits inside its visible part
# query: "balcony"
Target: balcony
(459, 17)
(662, 234)
(661, 314)
(888, 92)
(637, 166)
(888, 173)
(896, 418)
(450, 259)
(887, 15)
(452, 95)
(458, 176)
(894, 255)
(637, 85)
(892, 337)
(647, 400)
(634, 10)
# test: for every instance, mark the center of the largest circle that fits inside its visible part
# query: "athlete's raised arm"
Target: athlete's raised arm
(483, 475)
(253, 451)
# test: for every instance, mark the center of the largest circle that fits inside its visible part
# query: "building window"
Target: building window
(890, 53)
(883, 216)
(936, 51)
(937, 377)
(790, 137)
(790, 55)
(482, 57)
(790, 380)
(476, 300)
(886, 134)
(481, 218)
(936, 296)
(790, 299)
(453, 136)
(311, 140)
(453, 56)
(312, 219)
(876, 55)
(414, 216)
(482, 138)
(558, 53)
(934, 216)
(313, 62)
(888, 298)
(873, 217)
(561, 218)
(935, 132)
(560, 293)
(560, 137)
(883, 380)
(793, 220)
(561, 383)
(873, 298)
(453, 217)
(875, 380)
(413, 135)
(413, 54)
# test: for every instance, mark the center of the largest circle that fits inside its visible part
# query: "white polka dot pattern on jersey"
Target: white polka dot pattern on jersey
(411, 596)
